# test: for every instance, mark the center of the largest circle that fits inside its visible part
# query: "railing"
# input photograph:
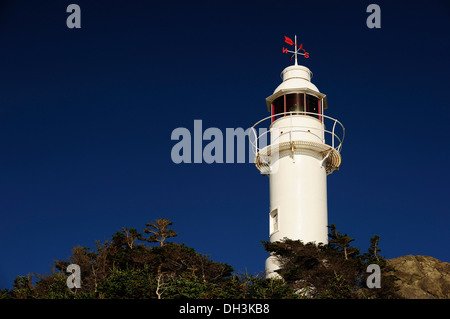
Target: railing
(331, 138)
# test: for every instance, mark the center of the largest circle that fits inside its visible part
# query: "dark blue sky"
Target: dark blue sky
(86, 117)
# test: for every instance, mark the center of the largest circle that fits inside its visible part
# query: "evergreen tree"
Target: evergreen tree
(373, 249)
(159, 230)
(341, 243)
(336, 270)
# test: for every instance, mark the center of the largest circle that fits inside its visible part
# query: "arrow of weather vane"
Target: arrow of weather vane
(297, 48)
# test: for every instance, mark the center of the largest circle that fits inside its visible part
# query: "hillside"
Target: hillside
(421, 277)
(131, 266)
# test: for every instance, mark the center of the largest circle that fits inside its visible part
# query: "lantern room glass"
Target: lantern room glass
(296, 104)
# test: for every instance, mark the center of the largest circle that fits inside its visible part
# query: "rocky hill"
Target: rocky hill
(422, 277)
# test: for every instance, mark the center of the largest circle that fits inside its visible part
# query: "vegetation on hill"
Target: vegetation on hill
(129, 266)
(336, 270)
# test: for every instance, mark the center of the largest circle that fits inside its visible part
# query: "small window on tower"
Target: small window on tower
(274, 221)
(312, 104)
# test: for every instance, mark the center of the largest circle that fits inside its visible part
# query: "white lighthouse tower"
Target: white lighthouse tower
(304, 148)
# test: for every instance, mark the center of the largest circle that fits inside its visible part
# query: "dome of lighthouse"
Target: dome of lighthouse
(296, 77)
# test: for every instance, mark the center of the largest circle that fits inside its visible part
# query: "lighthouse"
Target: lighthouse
(300, 148)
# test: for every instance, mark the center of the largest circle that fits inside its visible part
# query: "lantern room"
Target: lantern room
(296, 95)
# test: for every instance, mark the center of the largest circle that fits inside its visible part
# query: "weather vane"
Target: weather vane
(297, 48)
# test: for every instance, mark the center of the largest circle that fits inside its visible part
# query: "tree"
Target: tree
(315, 271)
(373, 249)
(159, 230)
(23, 287)
(336, 270)
(341, 242)
(131, 236)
